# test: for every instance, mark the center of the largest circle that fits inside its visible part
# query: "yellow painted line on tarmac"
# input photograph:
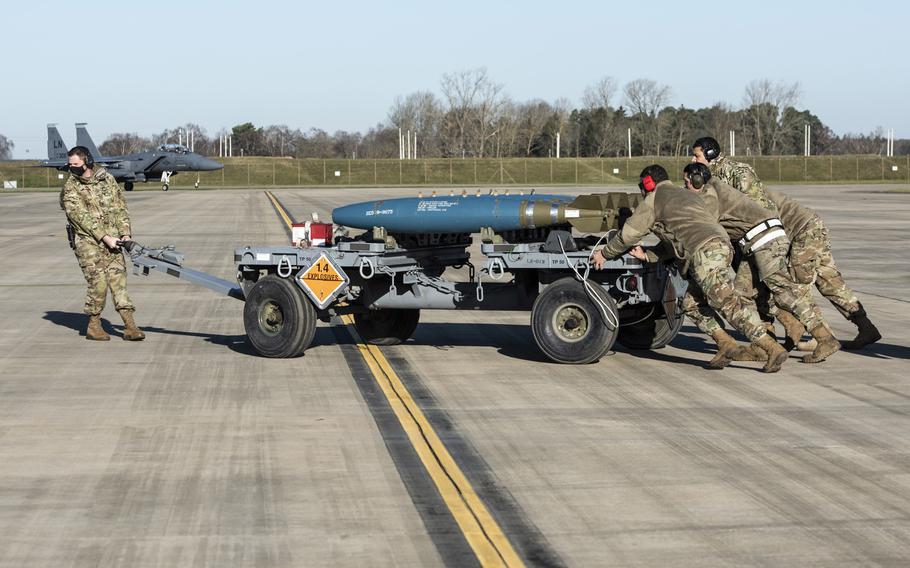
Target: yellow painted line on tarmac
(480, 529)
(284, 214)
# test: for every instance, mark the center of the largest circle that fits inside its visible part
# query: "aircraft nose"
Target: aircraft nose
(207, 165)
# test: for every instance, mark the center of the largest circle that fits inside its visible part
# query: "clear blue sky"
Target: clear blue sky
(144, 67)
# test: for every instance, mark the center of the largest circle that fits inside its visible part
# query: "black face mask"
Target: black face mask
(77, 170)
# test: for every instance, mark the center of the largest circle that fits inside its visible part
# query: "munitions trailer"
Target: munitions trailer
(383, 282)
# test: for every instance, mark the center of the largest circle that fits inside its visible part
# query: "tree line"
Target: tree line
(473, 117)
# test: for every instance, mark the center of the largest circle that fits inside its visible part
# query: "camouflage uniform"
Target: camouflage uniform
(742, 177)
(767, 253)
(689, 232)
(94, 208)
(710, 271)
(811, 261)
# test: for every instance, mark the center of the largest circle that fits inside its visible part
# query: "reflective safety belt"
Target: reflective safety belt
(765, 231)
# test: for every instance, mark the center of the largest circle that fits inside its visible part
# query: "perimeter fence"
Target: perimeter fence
(282, 172)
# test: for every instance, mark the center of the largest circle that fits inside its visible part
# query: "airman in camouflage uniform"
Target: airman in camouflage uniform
(812, 250)
(738, 174)
(765, 247)
(689, 233)
(98, 223)
(742, 177)
(811, 262)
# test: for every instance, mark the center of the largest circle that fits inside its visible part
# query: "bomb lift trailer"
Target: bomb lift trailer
(383, 282)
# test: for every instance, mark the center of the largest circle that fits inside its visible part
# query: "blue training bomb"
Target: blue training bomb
(462, 214)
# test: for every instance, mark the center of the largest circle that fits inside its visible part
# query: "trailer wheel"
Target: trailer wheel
(652, 333)
(386, 327)
(567, 325)
(278, 320)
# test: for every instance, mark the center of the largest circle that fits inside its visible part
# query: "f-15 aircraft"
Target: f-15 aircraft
(162, 163)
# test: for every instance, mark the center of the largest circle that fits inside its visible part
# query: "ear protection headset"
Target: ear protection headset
(647, 184)
(709, 147)
(83, 151)
(698, 174)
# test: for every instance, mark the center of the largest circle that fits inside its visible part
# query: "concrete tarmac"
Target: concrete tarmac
(188, 449)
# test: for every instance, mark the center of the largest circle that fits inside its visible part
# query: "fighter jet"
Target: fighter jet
(162, 163)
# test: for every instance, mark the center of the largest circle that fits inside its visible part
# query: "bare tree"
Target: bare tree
(716, 121)
(6, 148)
(380, 142)
(600, 94)
(421, 113)
(508, 129)
(474, 101)
(346, 144)
(644, 98)
(123, 143)
(872, 143)
(279, 140)
(765, 103)
(598, 99)
(534, 117)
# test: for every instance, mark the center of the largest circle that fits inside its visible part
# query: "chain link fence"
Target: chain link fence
(283, 172)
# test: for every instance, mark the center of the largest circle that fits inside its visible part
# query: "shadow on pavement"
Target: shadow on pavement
(237, 343)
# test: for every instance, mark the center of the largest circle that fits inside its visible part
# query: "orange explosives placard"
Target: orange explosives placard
(322, 280)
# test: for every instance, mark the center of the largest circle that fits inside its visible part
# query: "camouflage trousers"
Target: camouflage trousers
(713, 292)
(764, 282)
(772, 265)
(811, 262)
(102, 269)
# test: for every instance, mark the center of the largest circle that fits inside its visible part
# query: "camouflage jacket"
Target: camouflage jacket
(734, 210)
(678, 217)
(795, 217)
(95, 206)
(742, 177)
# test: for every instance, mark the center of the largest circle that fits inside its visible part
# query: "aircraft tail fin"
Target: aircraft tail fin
(56, 147)
(83, 139)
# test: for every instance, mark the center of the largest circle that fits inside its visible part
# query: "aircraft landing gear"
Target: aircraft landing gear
(165, 180)
(128, 186)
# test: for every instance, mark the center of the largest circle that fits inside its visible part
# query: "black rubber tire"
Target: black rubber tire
(652, 333)
(128, 186)
(567, 325)
(165, 187)
(386, 327)
(279, 321)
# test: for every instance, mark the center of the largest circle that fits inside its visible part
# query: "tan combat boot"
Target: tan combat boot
(827, 345)
(751, 352)
(130, 331)
(793, 329)
(94, 331)
(776, 354)
(727, 350)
